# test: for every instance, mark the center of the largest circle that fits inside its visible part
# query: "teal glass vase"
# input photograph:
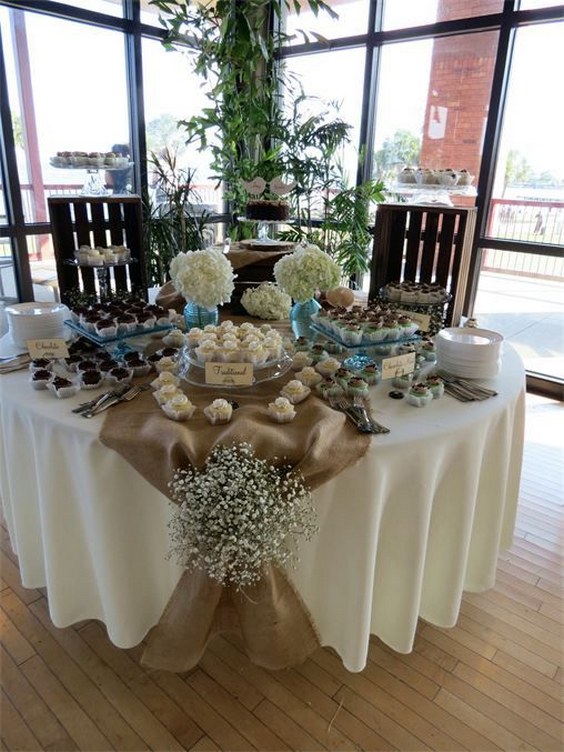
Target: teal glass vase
(300, 318)
(198, 316)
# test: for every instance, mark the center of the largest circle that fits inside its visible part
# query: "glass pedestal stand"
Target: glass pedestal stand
(94, 184)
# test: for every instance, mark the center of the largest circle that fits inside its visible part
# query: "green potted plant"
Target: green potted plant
(235, 46)
(173, 222)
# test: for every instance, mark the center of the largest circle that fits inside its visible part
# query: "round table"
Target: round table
(403, 532)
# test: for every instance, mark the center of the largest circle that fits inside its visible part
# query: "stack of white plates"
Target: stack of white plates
(469, 352)
(36, 321)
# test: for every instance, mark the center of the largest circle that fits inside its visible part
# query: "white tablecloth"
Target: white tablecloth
(402, 533)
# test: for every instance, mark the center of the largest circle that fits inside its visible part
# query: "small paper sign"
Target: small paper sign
(398, 365)
(47, 348)
(422, 320)
(229, 374)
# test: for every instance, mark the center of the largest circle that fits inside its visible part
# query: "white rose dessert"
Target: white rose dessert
(219, 411)
(179, 407)
(165, 378)
(166, 393)
(295, 391)
(309, 376)
(281, 410)
(174, 338)
(300, 360)
(328, 367)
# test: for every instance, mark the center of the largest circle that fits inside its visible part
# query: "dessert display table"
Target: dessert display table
(417, 520)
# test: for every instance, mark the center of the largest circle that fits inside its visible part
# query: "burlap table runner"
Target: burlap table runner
(274, 624)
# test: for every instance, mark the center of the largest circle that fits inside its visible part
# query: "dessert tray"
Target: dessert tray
(193, 371)
(137, 332)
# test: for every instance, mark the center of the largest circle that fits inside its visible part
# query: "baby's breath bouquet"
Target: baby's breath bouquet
(267, 301)
(238, 514)
(203, 277)
(306, 270)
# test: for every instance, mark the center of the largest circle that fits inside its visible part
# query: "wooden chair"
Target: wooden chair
(426, 244)
(97, 221)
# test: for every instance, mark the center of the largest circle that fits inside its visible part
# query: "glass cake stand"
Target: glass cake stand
(193, 371)
(367, 353)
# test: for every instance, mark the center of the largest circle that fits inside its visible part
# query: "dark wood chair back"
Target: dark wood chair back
(97, 221)
(426, 244)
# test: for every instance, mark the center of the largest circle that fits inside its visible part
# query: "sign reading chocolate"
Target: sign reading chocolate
(229, 374)
(398, 365)
(47, 348)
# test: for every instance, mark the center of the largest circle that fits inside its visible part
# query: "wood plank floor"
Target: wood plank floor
(494, 682)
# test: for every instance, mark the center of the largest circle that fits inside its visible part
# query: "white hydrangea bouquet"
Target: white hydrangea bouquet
(238, 514)
(306, 270)
(203, 277)
(267, 301)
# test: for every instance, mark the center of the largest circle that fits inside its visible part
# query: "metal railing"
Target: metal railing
(530, 221)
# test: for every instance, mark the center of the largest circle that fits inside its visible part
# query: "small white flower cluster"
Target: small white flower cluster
(309, 268)
(203, 277)
(239, 514)
(267, 301)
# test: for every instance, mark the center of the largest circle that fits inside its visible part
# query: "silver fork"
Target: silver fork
(364, 407)
(477, 391)
(342, 404)
(126, 397)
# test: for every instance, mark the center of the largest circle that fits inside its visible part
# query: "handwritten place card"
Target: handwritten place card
(398, 365)
(47, 348)
(423, 320)
(229, 374)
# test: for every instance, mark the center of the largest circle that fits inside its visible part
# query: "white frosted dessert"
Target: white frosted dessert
(179, 408)
(174, 338)
(219, 411)
(300, 360)
(295, 391)
(166, 393)
(328, 367)
(281, 410)
(208, 352)
(164, 379)
(167, 363)
(309, 376)
(253, 353)
(194, 336)
(272, 346)
(230, 352)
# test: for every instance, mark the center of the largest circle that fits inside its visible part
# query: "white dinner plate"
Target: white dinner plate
(37, 309)
(466, 335)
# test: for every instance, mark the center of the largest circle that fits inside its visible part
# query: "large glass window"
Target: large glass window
(528, 197)
(109, 7)
(341, 82)
(172, 93)
(67, 90)
(521, 294)
(439, 119)
(8, 292)
(399, 14)
(352, 19)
